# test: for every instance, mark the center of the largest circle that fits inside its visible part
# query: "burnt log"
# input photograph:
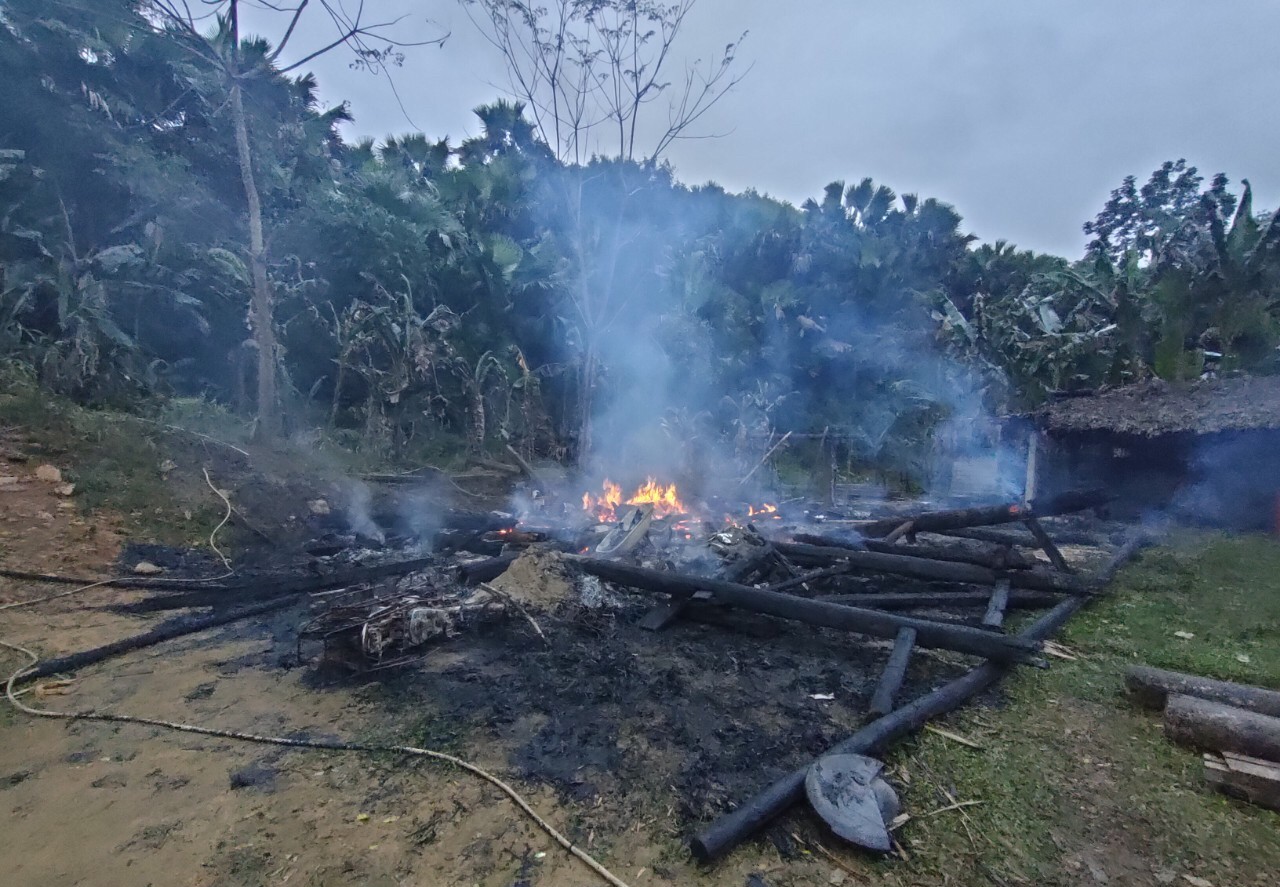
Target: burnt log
(1047, 546)
(942, 600)
(927, 568)
(731, 829)
(932, 521)
(475, 572)
(1152, 687)
(277, 586)
(1212, 726)
(895, 672)
(168, 631)
(960, 638)
(1003, 559)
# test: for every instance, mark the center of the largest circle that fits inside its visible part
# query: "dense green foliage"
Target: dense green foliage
(489, 290)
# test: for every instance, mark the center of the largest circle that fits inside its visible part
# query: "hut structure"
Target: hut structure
(1205, 452)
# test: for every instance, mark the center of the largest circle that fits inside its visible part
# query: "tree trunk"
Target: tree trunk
(261, 309)
(1151, 688)
(1213, 726)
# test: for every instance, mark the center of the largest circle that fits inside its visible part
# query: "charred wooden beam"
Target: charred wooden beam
(1046, 545)
(960, 638)
(927, 568)
(895, 672)
(729, 830)
(1152, 687)
(168, 631)
(932, 521)
(265, 587)
(1004, 558)
(475, 572)
(943, 600)
(811, 576)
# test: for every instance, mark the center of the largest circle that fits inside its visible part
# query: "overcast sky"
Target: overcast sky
(1022, 113)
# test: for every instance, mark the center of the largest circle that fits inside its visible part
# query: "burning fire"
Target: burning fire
(664, 499)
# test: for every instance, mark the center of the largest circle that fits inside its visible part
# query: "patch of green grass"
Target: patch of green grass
(113, 459)
(1074, 780)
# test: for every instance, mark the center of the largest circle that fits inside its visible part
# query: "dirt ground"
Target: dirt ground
(93, 803)
(622, 739)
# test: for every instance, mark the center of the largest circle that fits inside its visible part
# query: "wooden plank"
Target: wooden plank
(1250, 779)
(895, 672)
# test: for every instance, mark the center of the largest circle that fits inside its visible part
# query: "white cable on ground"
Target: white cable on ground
(226, 517)
(506, 789)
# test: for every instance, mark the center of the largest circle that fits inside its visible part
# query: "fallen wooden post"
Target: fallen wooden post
(960, 638)
(926, 568)
(166, 632)
(1046, 545)
(932, 521)
(276, 586)
(1023, 540)
(475, 572)
(944, 600)
(1003, 559)
(895, 672)
(729, 830)
(1152, 687)
(1212, 726)
(811, 576)
(994, 617)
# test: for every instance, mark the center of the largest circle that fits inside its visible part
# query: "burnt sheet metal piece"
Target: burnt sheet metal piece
(848, 793)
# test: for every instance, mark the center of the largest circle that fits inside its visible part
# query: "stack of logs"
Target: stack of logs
(791, 579)
(1236, 726)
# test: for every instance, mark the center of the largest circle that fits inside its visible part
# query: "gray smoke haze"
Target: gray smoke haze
(1022, 115)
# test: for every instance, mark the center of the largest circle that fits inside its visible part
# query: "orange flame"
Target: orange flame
(664, 499)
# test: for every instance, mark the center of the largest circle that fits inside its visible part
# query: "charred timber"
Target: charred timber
(279, 586)
(933, 521)
(475, 572)
(895, 672)
(944, 600)
(731, 829)
(960, 638)
(169, 631)
(927, 568)
(1152, 687)
(1003, 559)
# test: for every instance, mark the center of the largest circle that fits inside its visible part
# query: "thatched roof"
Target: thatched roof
(1155, 408)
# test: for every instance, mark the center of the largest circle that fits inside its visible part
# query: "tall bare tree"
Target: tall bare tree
(592, 72)
(593, 75)
(211, 30)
